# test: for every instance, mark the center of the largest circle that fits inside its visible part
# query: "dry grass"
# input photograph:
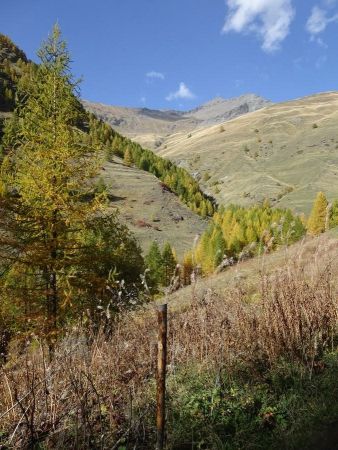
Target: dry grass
(148, 210)
(299, 162)
(97, 391)
(309, 253)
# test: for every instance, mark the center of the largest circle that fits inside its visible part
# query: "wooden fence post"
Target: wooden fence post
(161, 373)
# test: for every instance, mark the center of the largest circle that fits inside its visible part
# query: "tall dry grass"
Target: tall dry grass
(97, 390)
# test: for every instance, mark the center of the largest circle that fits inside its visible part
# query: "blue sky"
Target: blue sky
(181, 53)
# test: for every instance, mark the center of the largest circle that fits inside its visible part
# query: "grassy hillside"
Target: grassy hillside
(286, 152)
(149, 210)
(322, 250)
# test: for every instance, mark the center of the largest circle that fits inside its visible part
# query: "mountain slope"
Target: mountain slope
(152, 127)
(286, 152)
(11, 61)
(149, 210)
(305, 252)
(220, 109)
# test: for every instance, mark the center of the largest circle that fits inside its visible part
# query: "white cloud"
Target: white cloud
(321, 61)
(269, 19)
(319, 20)
(153, 74)
(320, 42)
(182, 92)
(143, 99)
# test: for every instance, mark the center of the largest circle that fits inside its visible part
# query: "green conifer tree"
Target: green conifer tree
(154, 264)
(217, 247)
(334, 215)
(168, 263)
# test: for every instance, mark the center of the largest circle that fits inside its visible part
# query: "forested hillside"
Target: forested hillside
(178, 180)
(14, 66)
(12, 60)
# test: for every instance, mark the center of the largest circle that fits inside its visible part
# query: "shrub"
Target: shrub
(206, 176)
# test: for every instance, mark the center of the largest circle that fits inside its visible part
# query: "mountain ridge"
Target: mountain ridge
(150, 127)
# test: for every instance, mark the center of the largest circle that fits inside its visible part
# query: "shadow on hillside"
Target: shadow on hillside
(115, 198)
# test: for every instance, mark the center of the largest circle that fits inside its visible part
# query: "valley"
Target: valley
(227, 213)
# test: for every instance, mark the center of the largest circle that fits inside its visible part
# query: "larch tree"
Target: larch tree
(47, 197)
(188, 268)
(318, 217)
(128, 159)
(234, 228)
(218, 245)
